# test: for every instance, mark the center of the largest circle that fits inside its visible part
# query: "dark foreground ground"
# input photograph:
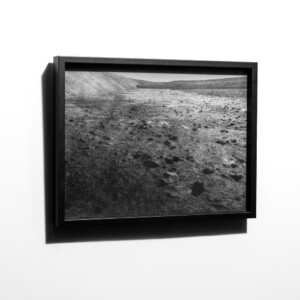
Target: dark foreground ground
(156, 151)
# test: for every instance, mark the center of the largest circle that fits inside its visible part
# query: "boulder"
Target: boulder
(197, 188)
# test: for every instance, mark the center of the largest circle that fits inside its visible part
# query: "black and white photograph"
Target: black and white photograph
(154, 144)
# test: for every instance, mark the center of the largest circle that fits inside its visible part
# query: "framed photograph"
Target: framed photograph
(154, 140)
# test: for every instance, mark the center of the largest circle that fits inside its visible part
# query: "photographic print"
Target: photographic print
(141, 144)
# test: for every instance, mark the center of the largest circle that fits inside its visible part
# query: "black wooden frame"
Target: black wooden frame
(61, 64)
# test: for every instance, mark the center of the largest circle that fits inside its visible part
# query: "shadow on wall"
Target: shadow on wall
(112, 231)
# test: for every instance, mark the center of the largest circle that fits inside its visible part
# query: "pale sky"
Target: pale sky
(165, 77)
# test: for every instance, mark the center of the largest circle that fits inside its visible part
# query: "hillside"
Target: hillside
(92, 84)
(86, 85)
(226, 83)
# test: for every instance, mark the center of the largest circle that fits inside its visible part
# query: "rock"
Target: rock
(234, 165)
(219, 206)
(71, 120)
(236, 177)
(190, 158)
(176, 158)
(146, 156)
(141, 126)
(172, 137)
(198, 188)
(92, 132)
(170, 195)
(170, 144)
(233, 141)
(169, 160)
(162, 182)
(150, 164)
(221, 142)
(171, 175)
(137, 155)
(208, 170)
(107, 138)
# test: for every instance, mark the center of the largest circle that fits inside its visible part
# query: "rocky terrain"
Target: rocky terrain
(137, 150)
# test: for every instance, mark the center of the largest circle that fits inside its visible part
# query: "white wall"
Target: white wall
(264, 263)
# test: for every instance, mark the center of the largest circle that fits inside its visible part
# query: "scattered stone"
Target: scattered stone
(137, 155)
(220, 142)
(198, 188)
(236, 177)
(218, 206)
(171, 175)
(176, 158)
(234, 165)
(141, 126)
(150, 164)
(71, 120)
(172, 137)
(107, 138)
(164, 181)
(233, 141)
(169, 160)
(208, 170)
(190, 158)
(92, 132)
(170, 195)
(170, 144)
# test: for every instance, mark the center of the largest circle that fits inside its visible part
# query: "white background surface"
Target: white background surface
(262, 264)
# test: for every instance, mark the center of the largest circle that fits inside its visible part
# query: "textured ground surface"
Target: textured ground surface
(156, 151)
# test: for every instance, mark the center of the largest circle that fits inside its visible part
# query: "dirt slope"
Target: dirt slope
(86, 85)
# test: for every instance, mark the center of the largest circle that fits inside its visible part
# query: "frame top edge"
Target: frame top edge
(159, 62)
